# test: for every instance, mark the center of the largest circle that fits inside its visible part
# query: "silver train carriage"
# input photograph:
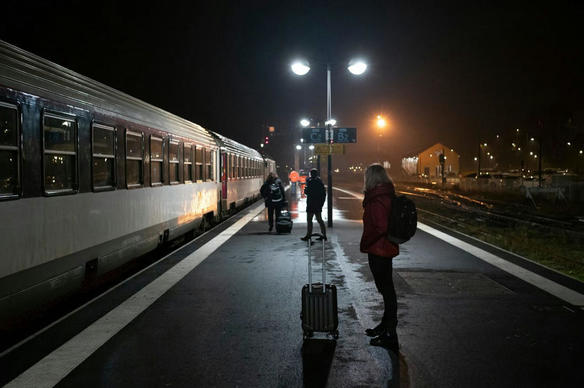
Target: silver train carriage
(91, 178)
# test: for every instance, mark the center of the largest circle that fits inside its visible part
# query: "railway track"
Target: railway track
(501, 213)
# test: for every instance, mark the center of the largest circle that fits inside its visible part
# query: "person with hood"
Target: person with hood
(315, 196)
(379, 192)
(273, 193)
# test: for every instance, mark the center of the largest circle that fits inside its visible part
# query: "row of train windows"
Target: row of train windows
(60, 157)
(241, 167)
(103, 160)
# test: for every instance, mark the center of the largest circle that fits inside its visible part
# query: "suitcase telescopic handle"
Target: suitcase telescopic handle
(309, 242)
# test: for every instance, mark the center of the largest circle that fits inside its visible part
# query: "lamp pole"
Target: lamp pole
(330, 156)
(356, 67)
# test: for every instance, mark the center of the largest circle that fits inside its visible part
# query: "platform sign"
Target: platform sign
(329, 149)
(314, 135)
(345, 135)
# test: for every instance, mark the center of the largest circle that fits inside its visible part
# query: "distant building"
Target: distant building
(426, 163)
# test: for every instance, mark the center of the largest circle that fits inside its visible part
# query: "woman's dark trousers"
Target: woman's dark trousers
(381, 268)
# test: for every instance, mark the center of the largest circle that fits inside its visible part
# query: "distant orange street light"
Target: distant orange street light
(381, 123)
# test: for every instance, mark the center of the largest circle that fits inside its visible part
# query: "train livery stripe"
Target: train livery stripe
(559, 291)
(55, 366)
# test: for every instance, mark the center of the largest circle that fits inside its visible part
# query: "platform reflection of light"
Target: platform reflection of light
(297, 208)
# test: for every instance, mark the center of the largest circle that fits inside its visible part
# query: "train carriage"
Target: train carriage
(91, 177)
(242, 173)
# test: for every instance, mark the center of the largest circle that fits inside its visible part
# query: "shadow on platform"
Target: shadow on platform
(317, 357)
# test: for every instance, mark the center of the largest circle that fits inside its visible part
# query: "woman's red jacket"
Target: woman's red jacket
(377, 207)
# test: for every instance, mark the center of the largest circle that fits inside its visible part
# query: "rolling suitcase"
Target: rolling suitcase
(319, 303)
(283, 221)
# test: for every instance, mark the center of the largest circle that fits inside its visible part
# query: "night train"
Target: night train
(91, 178)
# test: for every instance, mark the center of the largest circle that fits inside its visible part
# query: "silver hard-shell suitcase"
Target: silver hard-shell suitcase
(319, 304)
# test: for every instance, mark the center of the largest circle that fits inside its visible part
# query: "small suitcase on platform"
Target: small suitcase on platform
(283, 221)
(319, 304)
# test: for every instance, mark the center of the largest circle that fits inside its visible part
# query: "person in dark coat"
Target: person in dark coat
(315, 196)
(274, 197)
(379, 192)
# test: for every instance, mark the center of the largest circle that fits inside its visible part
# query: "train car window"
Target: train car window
(173, 162)
(60, 154)
(239, 166)
(199, 163)
(8, 151)
(208, 168)
(103, 157)
(188, 163)
(156, 161)
(134, 159)
(233, 166)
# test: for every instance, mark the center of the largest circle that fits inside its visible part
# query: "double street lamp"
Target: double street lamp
(356, 67)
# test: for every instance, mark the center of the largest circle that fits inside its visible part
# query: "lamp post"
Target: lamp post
(356, 67)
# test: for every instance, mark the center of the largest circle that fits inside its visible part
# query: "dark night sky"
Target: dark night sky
(447, 73)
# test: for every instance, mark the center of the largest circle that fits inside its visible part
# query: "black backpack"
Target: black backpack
(275, 193)
(403, 219)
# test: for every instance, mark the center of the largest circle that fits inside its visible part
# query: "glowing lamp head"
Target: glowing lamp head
(300, 68)
(331, 122)
(304, 122)
(298, 147)
(357, 67)
(381, 123)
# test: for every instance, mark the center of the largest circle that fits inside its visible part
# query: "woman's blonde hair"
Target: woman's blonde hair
(375, 175)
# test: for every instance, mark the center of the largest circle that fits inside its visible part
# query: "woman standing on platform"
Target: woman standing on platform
(379, 192)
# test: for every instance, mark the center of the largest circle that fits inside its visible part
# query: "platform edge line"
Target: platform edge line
(50, 370)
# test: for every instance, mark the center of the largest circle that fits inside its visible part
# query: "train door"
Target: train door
(224, 178)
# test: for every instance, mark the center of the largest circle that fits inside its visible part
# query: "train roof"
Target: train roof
(32, 74)
(235, 147)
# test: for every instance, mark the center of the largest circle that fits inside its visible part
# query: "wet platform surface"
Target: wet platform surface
(233, 320)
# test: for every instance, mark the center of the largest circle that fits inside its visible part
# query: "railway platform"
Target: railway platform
(223, 311)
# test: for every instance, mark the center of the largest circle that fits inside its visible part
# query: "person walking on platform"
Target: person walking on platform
(315, 196)
(379, 192)
(273, 193)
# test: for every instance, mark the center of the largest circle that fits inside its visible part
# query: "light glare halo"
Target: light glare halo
(358, 67)
(304, 122)
(300, 68)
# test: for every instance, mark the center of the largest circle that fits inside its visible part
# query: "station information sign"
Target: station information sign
(345, 135)
(323, 135)
(314, 135)
(329, 149)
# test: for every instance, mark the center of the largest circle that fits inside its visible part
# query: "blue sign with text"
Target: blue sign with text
(314, 135)
(344, 135)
